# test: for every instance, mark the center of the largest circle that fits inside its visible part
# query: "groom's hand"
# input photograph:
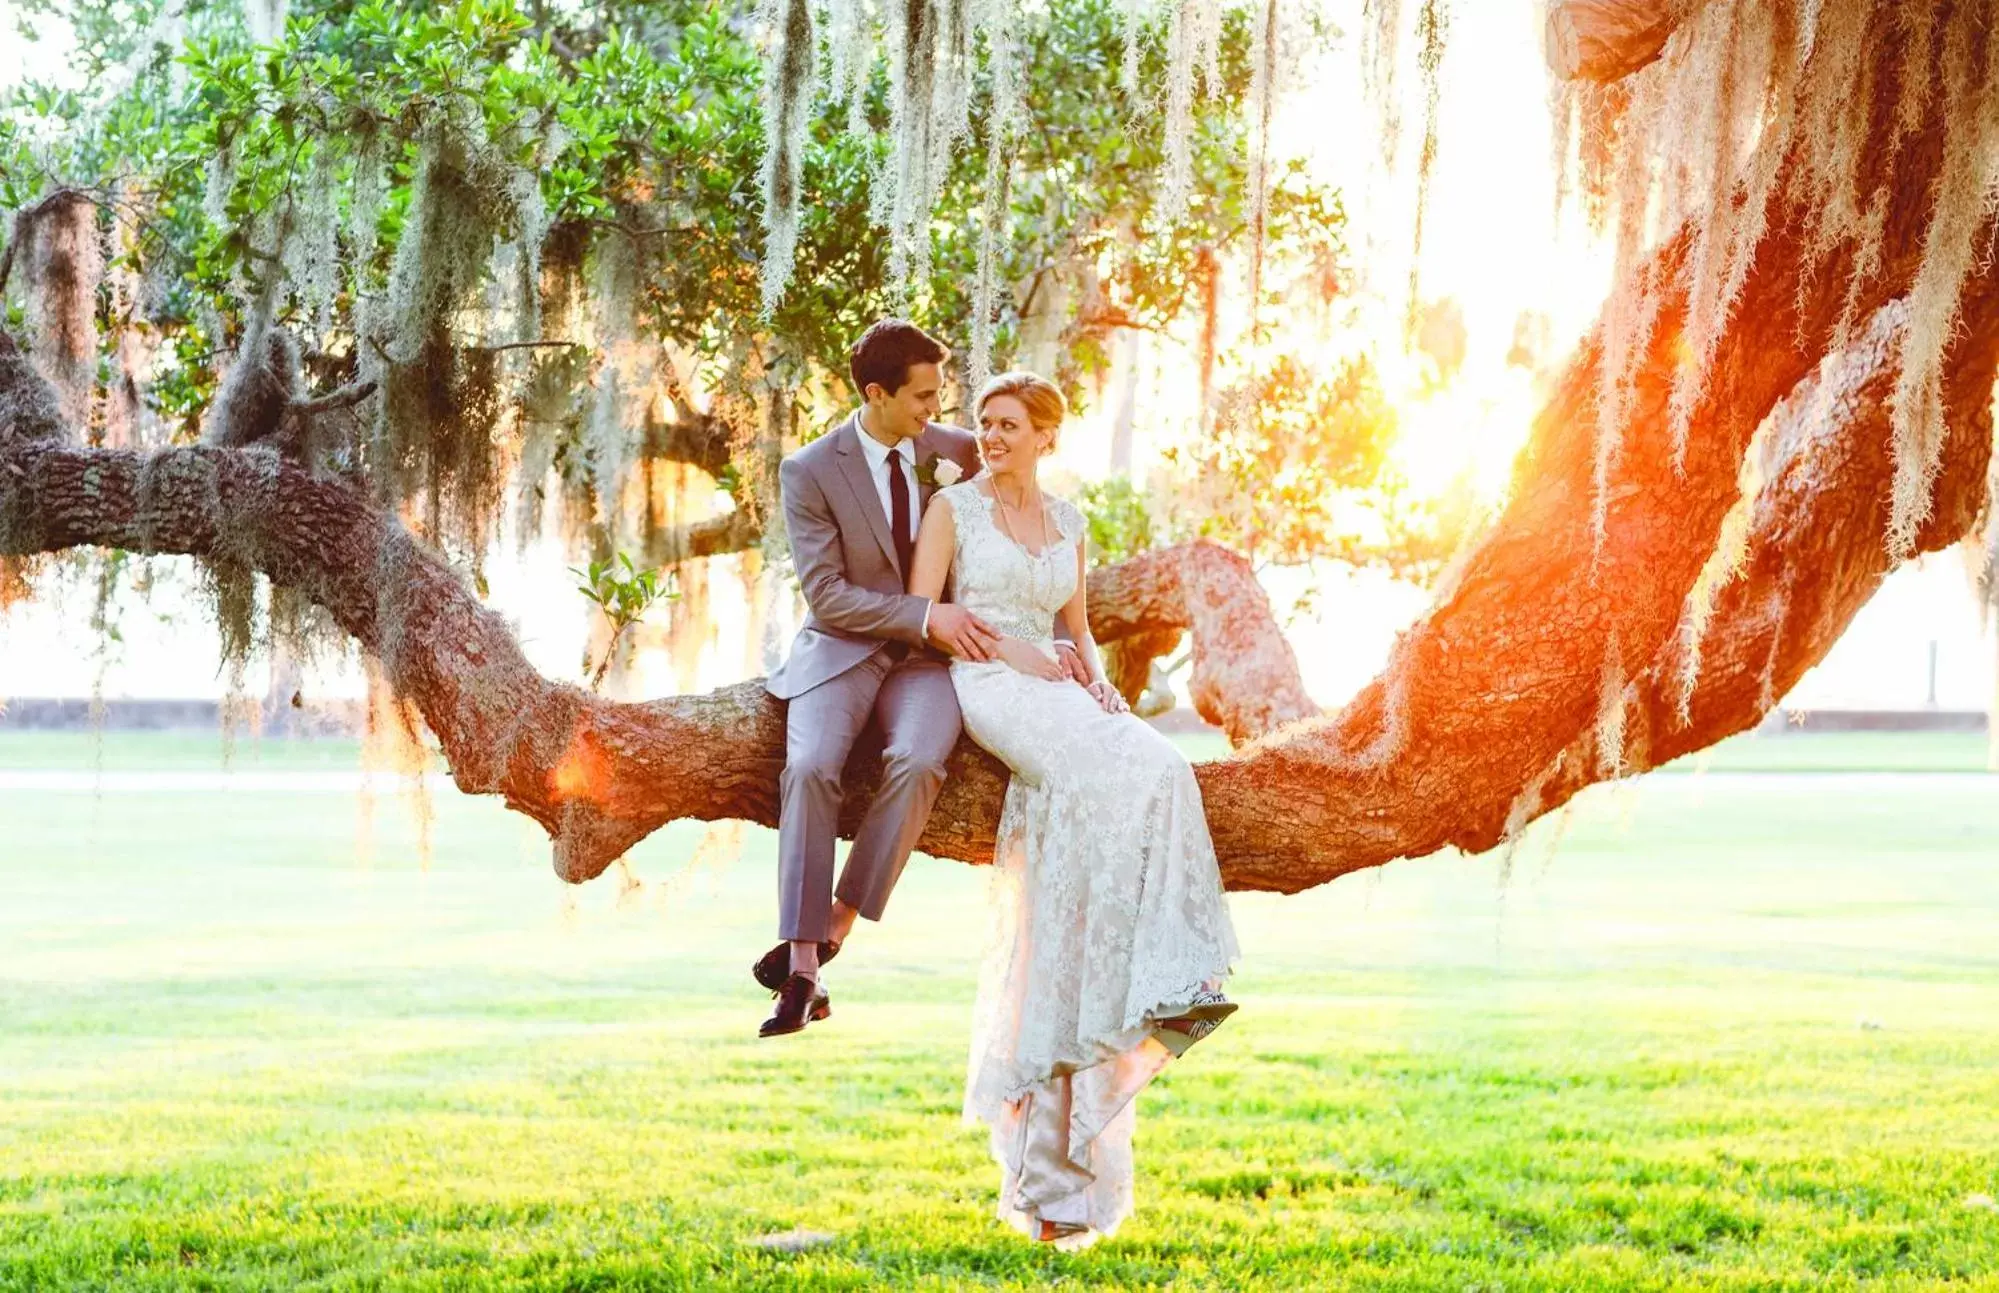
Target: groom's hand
(962, 633)
(1072, 660)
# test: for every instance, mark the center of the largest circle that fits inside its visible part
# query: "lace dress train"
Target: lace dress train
(1107, 901)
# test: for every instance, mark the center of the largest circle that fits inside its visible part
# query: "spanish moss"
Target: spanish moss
(1750, 109)
(850, 59)
(1381, 36)
(1003, 117)
(1264, 44)
(1723, 565)
(1964, 201)
(787, 102)
(1432, 23)
(265, 20)
(1193, 39)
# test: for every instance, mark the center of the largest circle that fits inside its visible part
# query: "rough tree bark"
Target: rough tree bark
(1814, 554)
(1245, 678)
(1604, 40)
(1503, 674)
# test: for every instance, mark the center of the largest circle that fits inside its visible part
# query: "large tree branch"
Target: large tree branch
(734, 531)
(693, 437)
(600, 776)
(1814, 554)
(597, 775)
(1504, 672)
(1246, 678)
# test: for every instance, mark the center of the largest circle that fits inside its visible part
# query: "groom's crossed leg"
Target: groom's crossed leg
(918, 711)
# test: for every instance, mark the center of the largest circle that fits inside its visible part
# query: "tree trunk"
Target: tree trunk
(1481, 697)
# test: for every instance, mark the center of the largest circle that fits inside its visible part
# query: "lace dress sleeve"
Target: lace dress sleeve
(1069, 520)
(961, 502)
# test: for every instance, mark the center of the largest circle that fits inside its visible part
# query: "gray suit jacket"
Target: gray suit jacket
(844, 553)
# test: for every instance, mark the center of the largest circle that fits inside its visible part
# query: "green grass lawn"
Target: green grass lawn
(1733, 1032)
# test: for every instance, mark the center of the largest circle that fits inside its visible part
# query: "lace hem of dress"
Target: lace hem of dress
(1091, 1051)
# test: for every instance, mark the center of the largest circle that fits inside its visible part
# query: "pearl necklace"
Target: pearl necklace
(1006, 527)
(1035, 563)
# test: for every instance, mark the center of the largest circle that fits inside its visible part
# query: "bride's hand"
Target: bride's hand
(1031, 660)
(1109, 697)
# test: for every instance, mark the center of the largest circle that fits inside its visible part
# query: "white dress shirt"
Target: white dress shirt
(878, 456)
(904, 453)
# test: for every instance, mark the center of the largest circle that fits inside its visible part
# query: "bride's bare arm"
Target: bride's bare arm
(1076, 618)
(952, 628)
(934, 541)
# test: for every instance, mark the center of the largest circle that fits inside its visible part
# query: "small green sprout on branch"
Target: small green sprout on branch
(624, 593)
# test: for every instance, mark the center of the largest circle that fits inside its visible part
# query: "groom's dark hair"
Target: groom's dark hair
(886, 352)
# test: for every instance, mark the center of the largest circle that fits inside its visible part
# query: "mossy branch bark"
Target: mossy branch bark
(1816, 552)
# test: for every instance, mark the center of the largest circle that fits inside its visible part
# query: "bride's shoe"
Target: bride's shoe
(1202, 1017)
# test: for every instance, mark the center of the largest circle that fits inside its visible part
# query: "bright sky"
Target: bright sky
(1492, 245)
(49, 53)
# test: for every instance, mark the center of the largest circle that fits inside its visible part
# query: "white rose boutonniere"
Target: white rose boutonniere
(943, 473)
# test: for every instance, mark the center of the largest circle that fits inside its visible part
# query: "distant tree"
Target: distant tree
(526, 245)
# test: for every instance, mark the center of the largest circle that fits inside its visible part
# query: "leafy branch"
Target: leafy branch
(624, 593)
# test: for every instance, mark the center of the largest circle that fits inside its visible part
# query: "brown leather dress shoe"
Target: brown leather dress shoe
(771, 970)
(800, 1000)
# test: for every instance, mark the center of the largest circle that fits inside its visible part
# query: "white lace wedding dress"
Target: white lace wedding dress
(1107, 900)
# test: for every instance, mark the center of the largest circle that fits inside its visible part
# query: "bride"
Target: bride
(1111, 935)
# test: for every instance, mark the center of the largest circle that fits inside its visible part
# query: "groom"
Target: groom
(852, 502)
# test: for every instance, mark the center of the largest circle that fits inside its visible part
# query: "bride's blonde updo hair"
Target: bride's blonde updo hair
(1044, 403)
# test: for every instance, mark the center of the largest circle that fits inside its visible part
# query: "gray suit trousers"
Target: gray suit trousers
(918, 711)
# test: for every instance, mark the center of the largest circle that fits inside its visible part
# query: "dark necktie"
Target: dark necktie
(898, 507)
